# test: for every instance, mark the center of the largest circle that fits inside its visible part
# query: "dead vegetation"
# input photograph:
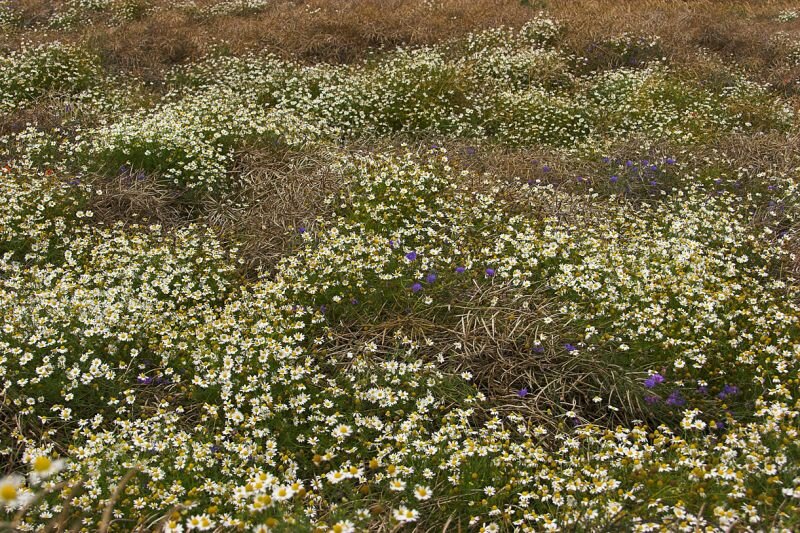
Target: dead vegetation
(163, 35)
(518, 348)
(280, 195)
(315, 30)
(737, 31)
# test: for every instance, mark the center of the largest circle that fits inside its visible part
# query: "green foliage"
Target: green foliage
(444, 348)
(32, 72)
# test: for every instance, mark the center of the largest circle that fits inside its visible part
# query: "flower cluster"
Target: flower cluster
(8, 16)
(136, 346)
(32, 71)
(38, 208)
(189, 143)
(515, 87)
(148, 380)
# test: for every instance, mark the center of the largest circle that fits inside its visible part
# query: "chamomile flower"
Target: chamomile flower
(282, 493)
(397, 485)
(342, 430)
(12, 491)
(422, 493)
(335, 476)
(200, 522)
(345, 526)
(42, 467)
(173, 526)
(403, 514)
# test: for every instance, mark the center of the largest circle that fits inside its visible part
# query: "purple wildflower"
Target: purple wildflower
(430, 278)
(731, 389)
(702, 389)
(653, 380)
(411, 256)
(301, 230)
(569, 347)
(670, 161)
(614, 179)
(675, 399)
(728, 390)
(460, 270)
(651, 399)
(538, 348)
(416, 287)
(522, 392)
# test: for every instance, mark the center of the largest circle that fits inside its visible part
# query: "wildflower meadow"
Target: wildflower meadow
(404, 266)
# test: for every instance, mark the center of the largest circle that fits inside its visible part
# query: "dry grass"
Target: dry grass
(348, 30)
(138, 199)
(740, 30)
(493, 332)
(278, 192)
(275, 193)
(314, 30)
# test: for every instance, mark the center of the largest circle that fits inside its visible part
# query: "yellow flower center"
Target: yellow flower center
(8, 492)
(42, 464)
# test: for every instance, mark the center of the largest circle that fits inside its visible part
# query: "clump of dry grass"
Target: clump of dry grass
(738, 30)
(513, 344)
(278, 195)
(135, 197)
(39, 114)
(317, 30)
